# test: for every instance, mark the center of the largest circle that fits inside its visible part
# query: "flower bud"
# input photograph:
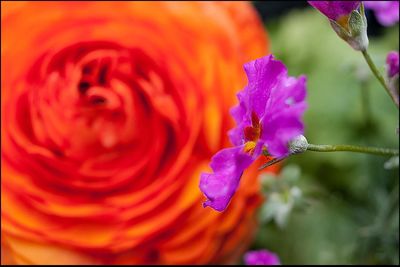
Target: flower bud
(349, 23)
(298, 145)
(354, 31)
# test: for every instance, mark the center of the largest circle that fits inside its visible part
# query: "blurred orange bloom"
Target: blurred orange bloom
(110, 111)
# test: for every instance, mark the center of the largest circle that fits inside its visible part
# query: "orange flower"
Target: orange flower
(110, 111)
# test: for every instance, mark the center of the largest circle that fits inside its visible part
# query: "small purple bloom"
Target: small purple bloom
(335, 9)
(386, 12)
(269, 115)
(261, 257)
(392, 61)
(392, 68)
(347, 21)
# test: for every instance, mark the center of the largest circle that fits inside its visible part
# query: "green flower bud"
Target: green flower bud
(354, 30)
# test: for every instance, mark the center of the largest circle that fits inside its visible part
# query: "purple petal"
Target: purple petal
(386, 12)
(228, 166)
(273, 105)
(289, 92)
(335, 9)
(277, 99)
(282, 129)
(239, 113)
(392, 61)
(263, 74)
(261, 257)
(283, 115)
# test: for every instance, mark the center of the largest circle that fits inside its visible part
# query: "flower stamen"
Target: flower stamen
(249, 147)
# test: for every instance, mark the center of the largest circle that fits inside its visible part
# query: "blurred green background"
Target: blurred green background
(349, 208)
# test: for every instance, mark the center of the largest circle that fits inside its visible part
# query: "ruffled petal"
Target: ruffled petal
(282, 129)
(269, 113)
(219, 186)
(262, 74)
(282, 119)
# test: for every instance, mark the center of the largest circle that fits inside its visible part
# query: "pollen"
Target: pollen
(249, 147)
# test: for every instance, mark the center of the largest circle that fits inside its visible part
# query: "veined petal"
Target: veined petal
(219, 186)
(263, 74)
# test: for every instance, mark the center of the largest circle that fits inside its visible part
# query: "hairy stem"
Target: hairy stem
(350, 148)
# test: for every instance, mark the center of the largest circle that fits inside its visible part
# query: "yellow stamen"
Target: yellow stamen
(249, 147)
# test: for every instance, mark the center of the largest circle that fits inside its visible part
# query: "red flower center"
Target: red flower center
(252, 133)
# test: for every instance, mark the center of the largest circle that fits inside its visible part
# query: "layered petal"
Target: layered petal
(278, 101)
(262, 74)
(269, 114)
(283, 115)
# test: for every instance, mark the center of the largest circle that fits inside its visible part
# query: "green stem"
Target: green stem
(377, 74)
(351, 148)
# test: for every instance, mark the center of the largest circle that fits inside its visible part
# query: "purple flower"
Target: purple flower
(347, 21)
(268, 117)
(392, 62)
(392, 65)
(261, 257)
(386, 12)
(335, 10)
